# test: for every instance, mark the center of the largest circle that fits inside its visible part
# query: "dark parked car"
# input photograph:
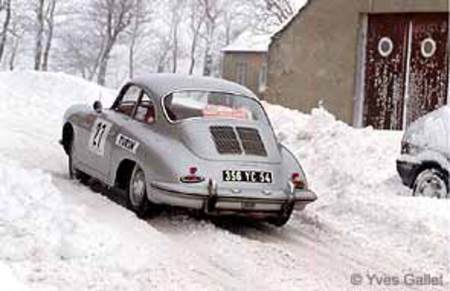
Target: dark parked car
(425, 161)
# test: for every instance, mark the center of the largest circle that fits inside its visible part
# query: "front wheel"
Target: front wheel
(74, 173)
(431, 183)
(137, 193)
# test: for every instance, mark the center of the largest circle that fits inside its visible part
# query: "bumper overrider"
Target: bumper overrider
(239, 203)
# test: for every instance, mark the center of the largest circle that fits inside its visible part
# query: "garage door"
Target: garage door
(406, 68)
(428, 69)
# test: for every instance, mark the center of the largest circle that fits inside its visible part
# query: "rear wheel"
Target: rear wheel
(283, 217)
(137, 193)
(431, 183)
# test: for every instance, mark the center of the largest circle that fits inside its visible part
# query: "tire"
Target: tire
(432, 183)
(137, 200)
(74, 173)
(284, 216)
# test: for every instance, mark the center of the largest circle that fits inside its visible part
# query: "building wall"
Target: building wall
(315, 58)
(254, 63)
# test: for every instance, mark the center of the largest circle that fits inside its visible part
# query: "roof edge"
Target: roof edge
(288, 22)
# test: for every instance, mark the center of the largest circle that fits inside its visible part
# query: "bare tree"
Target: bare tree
(272, 13)
(196, 23)
(39, 10)
(281, 9)
(213, 10)
(50, 22)
(163, 45)
(112, 18)
(142, 16)
(17, 31)
(176, 14)
(6, 7)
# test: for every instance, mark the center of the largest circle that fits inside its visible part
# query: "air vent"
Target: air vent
(251, 141)
(225, 140)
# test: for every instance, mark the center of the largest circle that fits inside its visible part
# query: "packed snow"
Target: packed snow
(57, 234)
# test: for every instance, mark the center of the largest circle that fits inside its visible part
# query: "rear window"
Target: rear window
(212, 105)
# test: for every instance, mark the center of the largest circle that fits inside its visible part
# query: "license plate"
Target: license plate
(247, 176)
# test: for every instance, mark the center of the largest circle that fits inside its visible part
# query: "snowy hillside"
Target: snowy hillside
(58, 235)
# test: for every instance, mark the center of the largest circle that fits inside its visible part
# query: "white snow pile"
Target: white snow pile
(360, 193)
(32, 214)
(53, 244)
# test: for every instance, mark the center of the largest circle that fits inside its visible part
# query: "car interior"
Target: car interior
(139, 107)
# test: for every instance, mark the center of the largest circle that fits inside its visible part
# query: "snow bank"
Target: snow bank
(31, 214)
(55, 234)
(9, 281)
(53, 244)
(360, 194)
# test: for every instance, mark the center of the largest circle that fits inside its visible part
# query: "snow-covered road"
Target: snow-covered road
(58, 235)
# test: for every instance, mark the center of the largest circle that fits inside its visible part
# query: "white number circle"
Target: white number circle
(428, 47)
(385, 46)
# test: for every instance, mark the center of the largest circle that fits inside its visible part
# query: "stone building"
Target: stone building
(370, 62)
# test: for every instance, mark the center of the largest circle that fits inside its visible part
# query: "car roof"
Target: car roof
(163, 84)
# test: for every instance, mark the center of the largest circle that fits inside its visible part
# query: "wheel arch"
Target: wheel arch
(123, 173)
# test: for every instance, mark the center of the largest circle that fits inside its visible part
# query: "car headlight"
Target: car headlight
(409, 149)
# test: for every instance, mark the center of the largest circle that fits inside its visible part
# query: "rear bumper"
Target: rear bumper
(215, 204)
(407, 172)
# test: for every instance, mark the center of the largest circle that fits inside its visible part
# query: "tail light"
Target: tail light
(192, 177)
(297, 181)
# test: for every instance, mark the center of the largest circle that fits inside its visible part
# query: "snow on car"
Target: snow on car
(424, 164)
(193, 142)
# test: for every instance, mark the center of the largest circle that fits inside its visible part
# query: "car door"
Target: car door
(105, 128)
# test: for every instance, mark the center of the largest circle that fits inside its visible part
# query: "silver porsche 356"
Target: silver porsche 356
(193, 142)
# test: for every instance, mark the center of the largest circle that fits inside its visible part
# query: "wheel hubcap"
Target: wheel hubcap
(432, 187)
(137, 189)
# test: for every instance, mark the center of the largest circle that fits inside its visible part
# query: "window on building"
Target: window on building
(262, 81)
(241, 73)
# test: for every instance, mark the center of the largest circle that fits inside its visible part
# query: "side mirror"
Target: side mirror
(98, 107)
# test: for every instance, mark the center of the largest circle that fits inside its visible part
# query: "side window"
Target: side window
(129, 100)
(145, 111)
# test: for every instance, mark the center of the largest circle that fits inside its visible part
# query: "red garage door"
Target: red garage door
(428, 68)
(406, 67)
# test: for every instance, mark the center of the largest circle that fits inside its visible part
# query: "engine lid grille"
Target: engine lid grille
(251, 141)
(227, 141)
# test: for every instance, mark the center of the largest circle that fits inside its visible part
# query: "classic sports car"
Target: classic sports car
(194, 142)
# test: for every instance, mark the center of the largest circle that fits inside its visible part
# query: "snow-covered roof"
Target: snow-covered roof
(257, 41)
(250, 41)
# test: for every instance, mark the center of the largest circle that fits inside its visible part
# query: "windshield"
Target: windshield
(212, 105)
